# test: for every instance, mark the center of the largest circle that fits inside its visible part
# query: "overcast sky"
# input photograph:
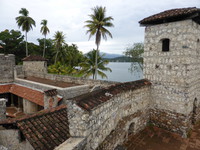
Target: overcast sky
(69, 16)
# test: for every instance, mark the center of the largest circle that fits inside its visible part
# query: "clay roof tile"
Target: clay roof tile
(173, 15)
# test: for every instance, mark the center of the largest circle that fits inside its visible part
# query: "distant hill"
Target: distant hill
(108, 55)
(119, 59)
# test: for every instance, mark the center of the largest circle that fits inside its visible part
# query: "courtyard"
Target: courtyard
(153, 138)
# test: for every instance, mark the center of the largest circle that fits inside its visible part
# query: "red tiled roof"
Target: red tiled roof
(32, 95)
(45, 129)
(5, 88)
(173, 15)
(28, 93)
(34, 58)
(94, 99)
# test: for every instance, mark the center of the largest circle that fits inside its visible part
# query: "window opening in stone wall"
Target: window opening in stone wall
(131, 128)
(198, 47)
(165, 45)
(194, 113)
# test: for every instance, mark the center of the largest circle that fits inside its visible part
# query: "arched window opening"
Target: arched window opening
(165, 45)
(131, 128)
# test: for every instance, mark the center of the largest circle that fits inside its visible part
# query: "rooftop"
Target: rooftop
(61, 84)
(44, 130)
(173, 15)
(153, 138)
(34, 58)
(91, 100)
(32, 95)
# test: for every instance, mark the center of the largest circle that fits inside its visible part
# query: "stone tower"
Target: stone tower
(7, 64)
(172, 64)
(35, 64)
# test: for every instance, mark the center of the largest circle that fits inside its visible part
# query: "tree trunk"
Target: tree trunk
(95, 77)
(44, 46)
(26, 46)
(56, 57)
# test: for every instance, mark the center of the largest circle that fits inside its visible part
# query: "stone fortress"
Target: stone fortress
(99, 115)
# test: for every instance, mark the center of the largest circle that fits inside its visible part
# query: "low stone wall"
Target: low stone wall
(131, 124)
(98, 123)
(64, 78)
(66, 93)
(10, 138)
(72, 144)
(2, 108)
(175, 122)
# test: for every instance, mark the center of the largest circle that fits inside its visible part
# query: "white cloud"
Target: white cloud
(69, 16)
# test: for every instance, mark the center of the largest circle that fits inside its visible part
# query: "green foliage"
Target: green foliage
(135, 52)
(59, 40)
(88, 66)
(44, 30)
(25, 22)
(49, 53)
(12, 43)
(61, 69)
(97, 27)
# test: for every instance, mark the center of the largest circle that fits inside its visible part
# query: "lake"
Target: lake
(121, 73)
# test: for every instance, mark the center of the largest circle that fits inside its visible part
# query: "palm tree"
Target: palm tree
(25, 22)
(89, 66)
(44, 30)
(59, 40)
(96, 26)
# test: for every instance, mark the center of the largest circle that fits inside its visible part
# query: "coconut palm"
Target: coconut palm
(44, 30)
(97, 27)
(26, 23)
(89, 66)
(59, 40)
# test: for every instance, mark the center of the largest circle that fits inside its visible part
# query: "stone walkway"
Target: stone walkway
(153, 138)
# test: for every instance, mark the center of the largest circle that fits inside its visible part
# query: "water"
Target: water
(121, 73)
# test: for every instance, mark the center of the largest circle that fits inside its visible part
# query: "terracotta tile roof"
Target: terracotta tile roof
(44, 130)
(5, 88)
(94, 99)
(32, 95)
(173, 15)
(34, 58)
(28, 93)
(51, 92)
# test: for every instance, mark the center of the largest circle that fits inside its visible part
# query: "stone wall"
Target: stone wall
(10, 138)
(174, 74)
(66, 93)
(98, 123)
(35, 66)
(2, 108)
(64, 78)
(7, 64)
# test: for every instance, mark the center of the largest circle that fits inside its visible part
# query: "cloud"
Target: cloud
(69, 17)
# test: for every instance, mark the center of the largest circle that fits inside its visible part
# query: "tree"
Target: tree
(49, 53)
(25, 22)
(96, 26)
(12, 43)
(135, 52)
(61, 69)
(59, 40)
(89, 66)
(44, 30)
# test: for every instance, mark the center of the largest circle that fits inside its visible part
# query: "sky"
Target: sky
(69, 16)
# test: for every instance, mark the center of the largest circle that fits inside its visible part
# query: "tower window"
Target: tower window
(165, 45)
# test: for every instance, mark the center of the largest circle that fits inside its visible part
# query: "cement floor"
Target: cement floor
(153, 138)
(51, 82)
(13, 112)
